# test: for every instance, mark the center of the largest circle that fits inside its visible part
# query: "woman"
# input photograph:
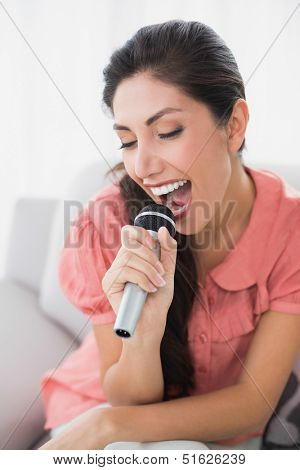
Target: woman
(208, 373)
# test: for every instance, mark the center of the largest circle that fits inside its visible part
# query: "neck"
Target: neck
(231, 216)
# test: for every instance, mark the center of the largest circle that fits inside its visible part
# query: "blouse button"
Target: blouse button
(203, 338)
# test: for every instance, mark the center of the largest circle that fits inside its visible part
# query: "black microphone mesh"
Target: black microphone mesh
(155, 221)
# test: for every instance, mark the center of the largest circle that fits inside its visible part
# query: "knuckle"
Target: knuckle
(126, 256)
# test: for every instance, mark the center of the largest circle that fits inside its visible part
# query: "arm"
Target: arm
(137, 377)
(242, 408)
(221, 414)
(192, 418)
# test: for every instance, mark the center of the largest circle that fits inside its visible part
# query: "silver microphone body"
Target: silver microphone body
(133, 301)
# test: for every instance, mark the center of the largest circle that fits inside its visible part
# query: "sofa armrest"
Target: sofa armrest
(30, 344)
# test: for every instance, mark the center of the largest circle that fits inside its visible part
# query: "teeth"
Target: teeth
(169, 201)
(158, 191)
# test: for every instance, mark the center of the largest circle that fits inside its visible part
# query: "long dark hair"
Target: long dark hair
(192, 57)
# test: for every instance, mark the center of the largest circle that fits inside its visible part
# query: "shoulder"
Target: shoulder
(279, 215)
(96, 229)
(105, 210)
(90, 247)
(286, 231)
(288, 210)
(283, 281)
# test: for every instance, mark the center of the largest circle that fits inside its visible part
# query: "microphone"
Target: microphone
(151, 217)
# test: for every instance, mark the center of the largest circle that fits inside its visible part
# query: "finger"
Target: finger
(142, 251)
(168, 250)
(166, 240)
(131, 234)
(134, 261)
(114, 280)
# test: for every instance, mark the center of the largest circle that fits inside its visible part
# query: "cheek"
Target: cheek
(210, 174)
(192, 153)
(208, 164)
(181, 154)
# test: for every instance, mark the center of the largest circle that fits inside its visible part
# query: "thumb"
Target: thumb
(168, 250)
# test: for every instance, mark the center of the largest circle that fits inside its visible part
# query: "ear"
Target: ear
(237, 125)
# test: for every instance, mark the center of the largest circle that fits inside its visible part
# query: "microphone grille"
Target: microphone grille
(153, 216)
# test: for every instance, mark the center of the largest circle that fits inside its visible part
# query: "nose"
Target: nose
(146, 162)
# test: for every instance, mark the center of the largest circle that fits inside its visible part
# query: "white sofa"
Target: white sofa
(39, 326)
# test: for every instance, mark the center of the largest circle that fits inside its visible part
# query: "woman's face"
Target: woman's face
(197, 151)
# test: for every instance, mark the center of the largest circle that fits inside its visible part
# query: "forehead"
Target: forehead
(141, 96)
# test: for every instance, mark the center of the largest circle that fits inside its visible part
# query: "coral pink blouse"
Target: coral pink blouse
(261, 273)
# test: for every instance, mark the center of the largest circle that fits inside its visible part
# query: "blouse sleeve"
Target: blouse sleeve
(82, 265)
(284, 281)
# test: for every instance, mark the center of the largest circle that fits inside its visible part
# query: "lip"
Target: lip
(154, 185)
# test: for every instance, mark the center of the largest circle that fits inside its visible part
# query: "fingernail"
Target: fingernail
(152, 288)
(160, 267)
(160, 280)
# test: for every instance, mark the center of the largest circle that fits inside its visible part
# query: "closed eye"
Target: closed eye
(162, 136)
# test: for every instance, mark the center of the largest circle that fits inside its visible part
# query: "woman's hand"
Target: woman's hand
(137, 262)
(92, 430)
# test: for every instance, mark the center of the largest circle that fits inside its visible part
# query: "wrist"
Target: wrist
(138, 342)
(106, 425)
(120, 426)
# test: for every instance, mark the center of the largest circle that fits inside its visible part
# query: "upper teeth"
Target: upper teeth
(159, 190)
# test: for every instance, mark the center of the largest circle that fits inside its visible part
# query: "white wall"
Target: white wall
(43, 145)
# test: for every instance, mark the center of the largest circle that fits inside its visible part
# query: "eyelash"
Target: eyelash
(163, 136)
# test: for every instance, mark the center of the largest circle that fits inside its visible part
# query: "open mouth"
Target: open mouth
(179, 199)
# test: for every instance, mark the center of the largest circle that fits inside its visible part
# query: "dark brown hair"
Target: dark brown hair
(193, 58)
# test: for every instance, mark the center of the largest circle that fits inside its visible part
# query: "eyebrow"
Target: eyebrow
(150, 120)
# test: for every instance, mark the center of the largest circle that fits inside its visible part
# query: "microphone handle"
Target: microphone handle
(132, 303)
